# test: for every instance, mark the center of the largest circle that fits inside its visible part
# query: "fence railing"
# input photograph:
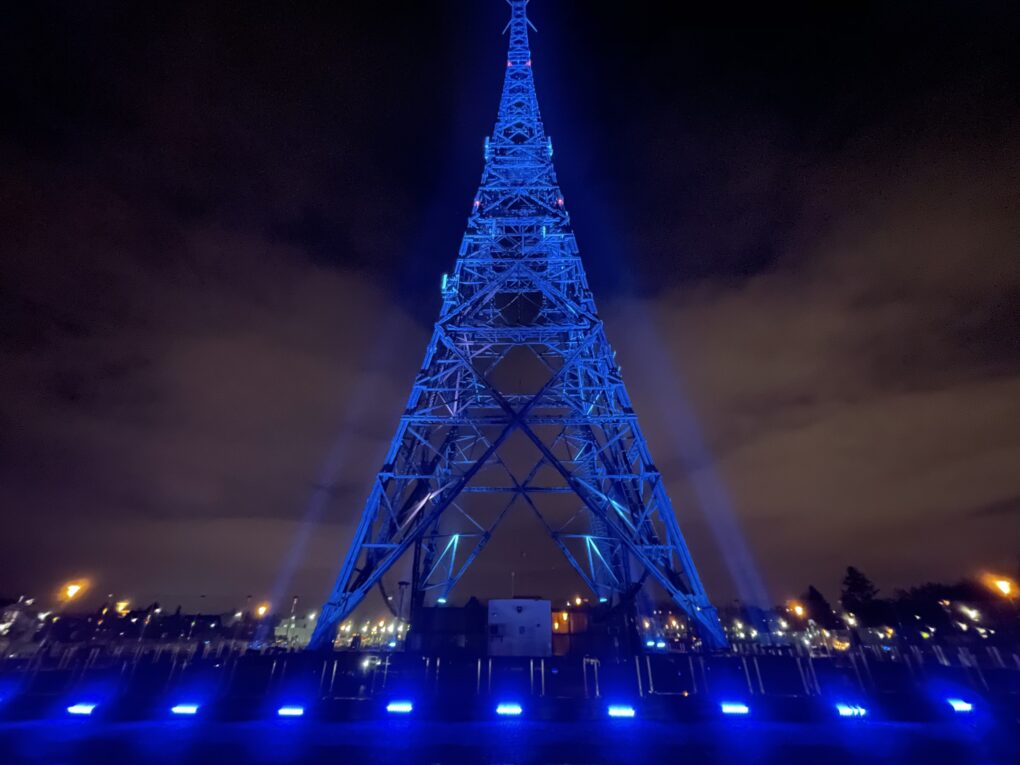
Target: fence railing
(227, 672)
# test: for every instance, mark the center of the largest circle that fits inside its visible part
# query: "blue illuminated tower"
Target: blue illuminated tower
(519, 405)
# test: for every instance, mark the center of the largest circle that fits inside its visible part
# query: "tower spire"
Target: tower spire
(519, 121)
(518, 26)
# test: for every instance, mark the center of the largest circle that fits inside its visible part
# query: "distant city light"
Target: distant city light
(400, 707)
(262, 610)
(973, 613)
(734, 708)
(184, 709)
(508, 709)
(959, 705)
(290, 711)
(620, 710)
(81, 709)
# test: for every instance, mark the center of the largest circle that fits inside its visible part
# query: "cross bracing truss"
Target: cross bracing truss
(519, 404)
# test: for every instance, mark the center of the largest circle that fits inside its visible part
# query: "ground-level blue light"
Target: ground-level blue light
(603, 600)
(81, 709)
(184, 709)
(508, 709)
(851, 710)
(649, 644)
(734, 708)
(620, 710)
(290, 711)
(959, 705)
(400, 707)
(661, 644)
(441, 601)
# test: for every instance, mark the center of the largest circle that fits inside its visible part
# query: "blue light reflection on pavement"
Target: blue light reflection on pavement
(410, 742)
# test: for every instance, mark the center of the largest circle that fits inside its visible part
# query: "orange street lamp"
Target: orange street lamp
(796, 608)
(262, 610)
(1004, 586)
(71, 590)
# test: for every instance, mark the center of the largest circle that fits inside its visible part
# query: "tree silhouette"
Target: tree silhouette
(858, 591)
(818, 608)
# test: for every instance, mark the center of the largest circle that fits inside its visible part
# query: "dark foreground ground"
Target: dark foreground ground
(411, 742)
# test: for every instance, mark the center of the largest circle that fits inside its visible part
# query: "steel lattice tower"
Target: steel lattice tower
(518, 298)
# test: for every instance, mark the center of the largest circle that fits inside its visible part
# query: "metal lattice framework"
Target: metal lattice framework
(519, 402)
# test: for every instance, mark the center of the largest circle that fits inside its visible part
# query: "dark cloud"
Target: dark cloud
(223, 232)
(1008, 506)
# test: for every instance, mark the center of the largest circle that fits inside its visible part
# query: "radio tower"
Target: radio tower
(519, 405)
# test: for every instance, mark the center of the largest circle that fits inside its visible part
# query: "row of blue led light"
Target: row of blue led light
(959, 706)
(514, 709)
(507, 709)
(86, 708)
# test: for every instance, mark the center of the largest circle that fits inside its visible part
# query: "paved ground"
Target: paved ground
(411, 742)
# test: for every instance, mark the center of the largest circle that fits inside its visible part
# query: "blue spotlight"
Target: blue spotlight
(734, 708)
(620, 710)
(960, 706)
(851, 710)
(81, 708)
(508, 709)
(291, 711)
(184, 709)
(400, 707)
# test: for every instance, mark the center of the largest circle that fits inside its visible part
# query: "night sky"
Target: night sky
(224, 224)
